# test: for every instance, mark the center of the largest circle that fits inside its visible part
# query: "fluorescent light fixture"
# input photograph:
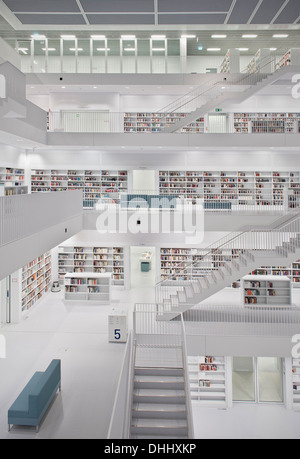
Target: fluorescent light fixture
(74, 49)
(68, 37)
(249, 36)
(213, 49)
(158, 37)
(219, 36)
(273, 49)
(188, 36)
(128, 37)
(49, 49)
(63, 87)
(280, 35)
(242, 49)
(103, 49)
(98, 37)
(37, 36)
(129, 49)
(158, 49)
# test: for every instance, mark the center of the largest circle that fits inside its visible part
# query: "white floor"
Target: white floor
(78, 335)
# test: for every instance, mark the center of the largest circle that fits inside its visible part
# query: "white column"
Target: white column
(183, 54)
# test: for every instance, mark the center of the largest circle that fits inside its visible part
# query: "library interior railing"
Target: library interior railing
(282, 237)
(231, 199)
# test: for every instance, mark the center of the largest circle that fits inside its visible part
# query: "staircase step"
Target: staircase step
(158, 396)
(159, 410)
(150, 426)
(161, 371)
(159, 382)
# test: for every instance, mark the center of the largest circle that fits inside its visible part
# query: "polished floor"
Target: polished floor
(78, 335)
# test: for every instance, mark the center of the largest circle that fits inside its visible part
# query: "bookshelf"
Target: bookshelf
(296, 383)
(238, 187)
(12, 181)
(291, 57)
(104, 185)
(266, 291)
(207, 377)
(87, 287)
(292, 272)
(231, 62)
(101, 260)
(149, 122)
(36, 280)
(260, 62)
(266, 123)
(180, 264)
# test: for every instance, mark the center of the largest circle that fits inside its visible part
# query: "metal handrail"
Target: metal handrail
(210, 249)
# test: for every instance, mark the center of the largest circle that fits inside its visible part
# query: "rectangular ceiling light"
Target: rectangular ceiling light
(128, 37)
(213, 49)
(103, 49)
(98, 37)
(188, 36)
(219, 36)
(68, 37)
(74, 49)
(49, 49)
(242, 49)
(36, 36)
(129, 49)
(249, 36)
(158, 37)
(273, 49)
(158, 49)
(278, 35)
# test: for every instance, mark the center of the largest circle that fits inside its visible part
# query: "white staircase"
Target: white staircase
(278, 247)
(159, 403)
(213, 98)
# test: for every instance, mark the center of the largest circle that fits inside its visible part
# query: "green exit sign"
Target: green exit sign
(218, 109)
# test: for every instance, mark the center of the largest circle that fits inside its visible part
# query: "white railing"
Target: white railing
(24, 215)
(278, 240)
(218, 86)
(120, 422)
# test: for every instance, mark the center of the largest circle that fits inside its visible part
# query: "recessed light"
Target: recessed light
(242, 49)
(37, 36)
(103, 49)
(68, 37)
(63, 87)
(49, 49)
(188, 36)
(158, 49)
(249, 36)
(213, 49)
(98, 37)
(74, 49)
(273, 49)
(158, 37)
(95, 87)
(218, 36)
(129, 49)
(278, 35)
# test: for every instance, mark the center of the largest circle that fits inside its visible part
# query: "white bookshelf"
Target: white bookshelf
(104, 185)
(241, 188)
(207, 378)
(291, 57)
(231, 62)
(266, 123)
(101, 260)
(87, 287)
(143, 122)
(296, 383)
(261, 62)
(266, 291)
(36, 280)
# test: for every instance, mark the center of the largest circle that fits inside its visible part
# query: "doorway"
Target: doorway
(257, 379)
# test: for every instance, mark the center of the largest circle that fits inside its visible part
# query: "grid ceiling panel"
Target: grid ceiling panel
(290, 13)
(242, 11)
(58, 19)
(177, 12)
(267, 11)
(117, 6)
(201, 6)
(43, 6)
(191, 18)
(120, 18)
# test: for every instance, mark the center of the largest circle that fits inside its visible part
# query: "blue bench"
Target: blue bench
(32, 403)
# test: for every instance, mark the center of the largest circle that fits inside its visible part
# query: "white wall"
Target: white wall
(84, 101)
(143, 180)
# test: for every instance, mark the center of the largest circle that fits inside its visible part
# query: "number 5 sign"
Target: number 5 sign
(117, 326)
